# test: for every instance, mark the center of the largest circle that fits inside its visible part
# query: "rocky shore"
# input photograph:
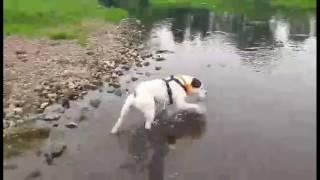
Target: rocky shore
(42, 72)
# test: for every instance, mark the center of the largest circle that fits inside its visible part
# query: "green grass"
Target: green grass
(58, 19)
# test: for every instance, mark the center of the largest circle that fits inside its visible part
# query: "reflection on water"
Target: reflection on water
(258, 32)
(148, 149)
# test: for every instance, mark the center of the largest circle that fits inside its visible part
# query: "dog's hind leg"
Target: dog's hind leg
(147, 106)
(124, 110)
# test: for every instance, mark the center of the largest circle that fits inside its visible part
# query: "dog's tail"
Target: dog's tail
(124, 110)
(127, 104)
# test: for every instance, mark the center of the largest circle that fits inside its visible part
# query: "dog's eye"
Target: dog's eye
(196, 83)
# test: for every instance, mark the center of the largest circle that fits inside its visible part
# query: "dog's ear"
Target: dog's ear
(196, 83)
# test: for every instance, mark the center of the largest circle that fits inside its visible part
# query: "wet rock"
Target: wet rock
(125, 67)
(44, 105)
(18, 52)
(18, 111)
(33, 175)
(65, 103)
(9, 166)
(83, 113)
(95, 102)
(163, 51)
(146, 63)
(148, 74)
(147, 55)
(56, 145)
(138, 64)
(157, 68)
(71, 125)
(134, 78)
(118, 92)
(51, 116)
(115, 84)
(12, 124)
(90, 53)
(56, 108)
(110, 90)
(250, 49)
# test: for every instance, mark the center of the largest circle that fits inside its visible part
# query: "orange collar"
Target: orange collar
(186, 85)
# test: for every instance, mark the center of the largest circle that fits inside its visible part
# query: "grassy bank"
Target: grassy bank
(59, 19)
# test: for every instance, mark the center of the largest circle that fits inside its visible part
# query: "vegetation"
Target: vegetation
(68, 19)
(60, 19)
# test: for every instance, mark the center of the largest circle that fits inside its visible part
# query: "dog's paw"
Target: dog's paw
(200, 110)
(114, 131)
(147, 125)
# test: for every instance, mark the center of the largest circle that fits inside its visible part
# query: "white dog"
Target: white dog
(172, 90)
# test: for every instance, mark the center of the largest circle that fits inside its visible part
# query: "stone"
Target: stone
(18, 111)
(163, 51)
(33, 175)
(71, 125)
(56, 108)
(21, 52)
(157, 68)
(110, 90)
(51, 116)
(9, 166)
(44, 105)
(160, 59)
(148, 74)
(134, 78)
(90, 53)
(65, 103)
(125, 67)
(118, 92)
(83, 113)
(95, 102)
(146, 63)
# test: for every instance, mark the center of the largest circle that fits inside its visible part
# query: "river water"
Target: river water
(261, 107)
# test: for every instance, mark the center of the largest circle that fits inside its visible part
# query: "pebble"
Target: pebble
(157, 68)
(95, 102)
(71, 125)
(83, 113)
(56, 108)
(160, 59)
(44, 105)
(52, 116)
(118, 92)
(65, 103)
(21, 52)
(146, 63)
(18, 111)
(134, 78)
(148, 74)
(110, 90)
(33, 175)
(9, 166)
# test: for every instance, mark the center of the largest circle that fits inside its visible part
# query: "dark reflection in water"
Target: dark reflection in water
(147, 149)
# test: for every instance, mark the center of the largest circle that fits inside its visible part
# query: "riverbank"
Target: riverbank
(41, 72)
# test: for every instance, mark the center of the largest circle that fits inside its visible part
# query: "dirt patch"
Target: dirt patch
(41, 72)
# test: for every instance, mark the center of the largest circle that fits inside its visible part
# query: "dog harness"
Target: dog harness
(185, 86)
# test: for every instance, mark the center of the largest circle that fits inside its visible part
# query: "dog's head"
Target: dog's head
(196, 87)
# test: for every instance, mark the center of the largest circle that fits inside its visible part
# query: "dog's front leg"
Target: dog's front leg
(182, 105)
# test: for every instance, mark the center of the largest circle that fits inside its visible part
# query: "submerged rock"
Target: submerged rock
(71, 125)
(52, 116)
(157, 68)
(95, 102)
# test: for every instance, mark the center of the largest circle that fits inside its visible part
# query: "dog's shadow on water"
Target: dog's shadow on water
(147, 148)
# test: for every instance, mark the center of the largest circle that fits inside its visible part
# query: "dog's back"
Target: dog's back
(154, 88)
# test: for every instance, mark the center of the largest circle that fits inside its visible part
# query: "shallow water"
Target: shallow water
(261, 118)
